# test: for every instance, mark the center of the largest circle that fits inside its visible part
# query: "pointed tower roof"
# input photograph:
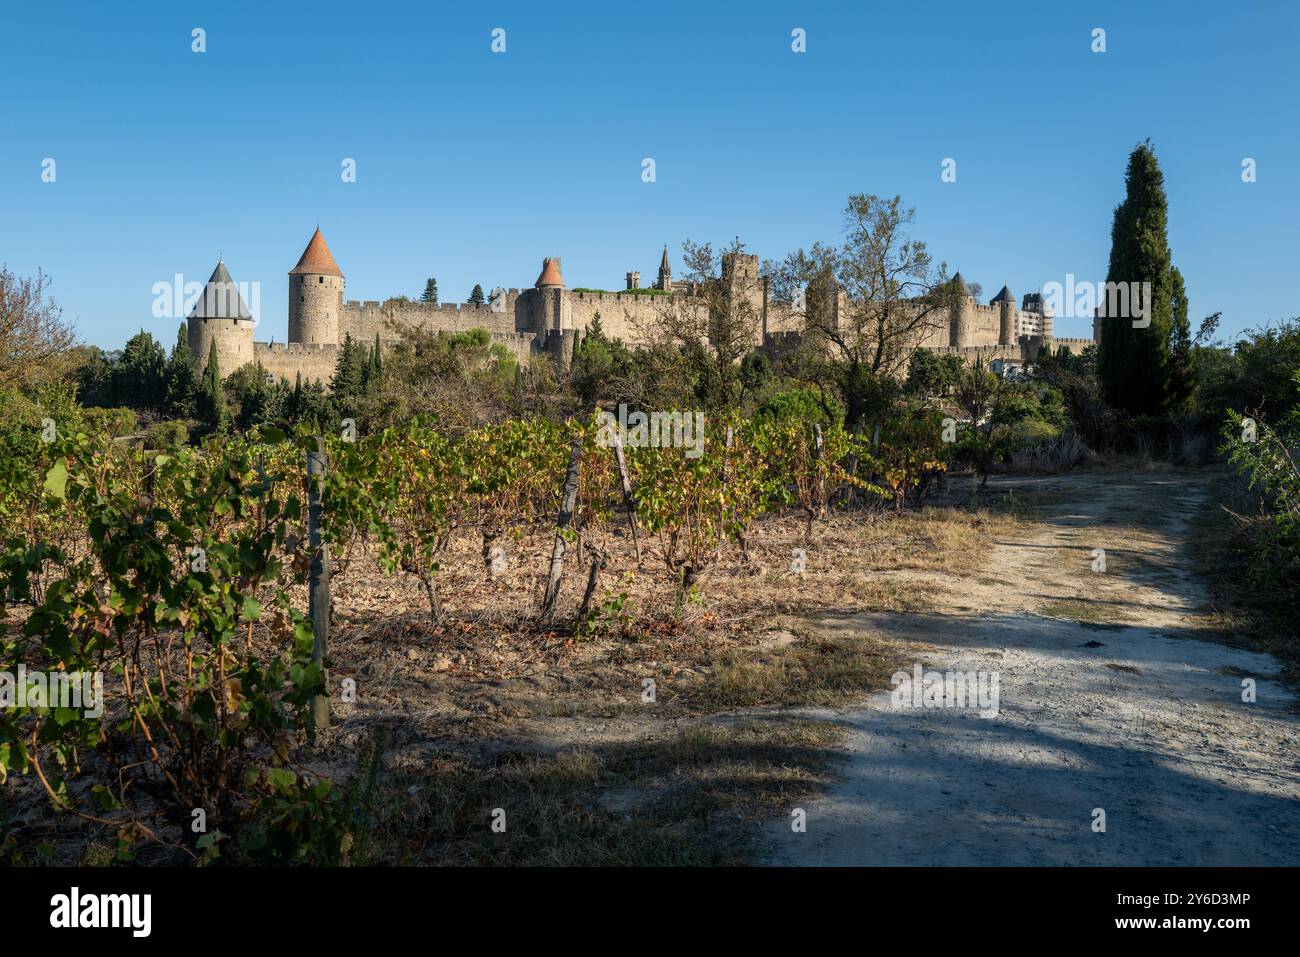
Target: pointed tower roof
(663, 263)
(220, 298)
(316, 259)
(550, 273)
(960, 283)
(1003, 296)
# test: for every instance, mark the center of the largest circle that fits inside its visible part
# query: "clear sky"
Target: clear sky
(472, 165)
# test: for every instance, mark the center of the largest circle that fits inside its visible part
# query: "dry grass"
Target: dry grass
(815, 669)
(689, 799)
(1126, 668)
(931, 539)
(1086, 611)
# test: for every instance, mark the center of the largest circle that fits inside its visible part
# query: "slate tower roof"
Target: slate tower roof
(220, 298)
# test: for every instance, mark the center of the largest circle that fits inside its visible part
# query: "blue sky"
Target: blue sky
(473, 166)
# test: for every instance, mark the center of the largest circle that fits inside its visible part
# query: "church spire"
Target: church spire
(665, 272)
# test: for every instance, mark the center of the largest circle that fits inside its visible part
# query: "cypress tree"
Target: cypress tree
(294, 412)
(1140, 369)
(181, 385)
(212, 398)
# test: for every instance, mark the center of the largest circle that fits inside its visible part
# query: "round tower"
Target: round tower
(220, 317)
(551, 311)
(1006, 303)
(315, 295)
(960, 321)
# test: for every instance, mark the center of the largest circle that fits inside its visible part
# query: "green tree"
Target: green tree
(927, 375)
(257, 399)
(349, 381)
(430, 293)
(211, 399)
(180, 384)
(476, 298)
(307, 402)
(1144, 370)
(140, 379)
(894, 296)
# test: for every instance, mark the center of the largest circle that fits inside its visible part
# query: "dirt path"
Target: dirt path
(1107, 699)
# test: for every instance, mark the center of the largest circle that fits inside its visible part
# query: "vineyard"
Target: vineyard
(197, 582)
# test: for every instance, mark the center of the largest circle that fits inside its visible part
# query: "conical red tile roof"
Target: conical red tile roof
(316, 259)
(550, 274)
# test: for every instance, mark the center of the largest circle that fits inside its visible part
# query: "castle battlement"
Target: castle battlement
(545, 318)
(292, 348)
(416, 306)
(620, 297)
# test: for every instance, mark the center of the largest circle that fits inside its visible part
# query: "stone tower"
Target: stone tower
(1006, 303)
(220, 316)
(665, 280)
(315, 295)
(961, 321)
(634, 280)
(550, 318)
(552, 309)
(746, 291)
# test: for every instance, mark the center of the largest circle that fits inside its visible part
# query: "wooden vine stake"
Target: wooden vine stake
(318, 585)
(629, 500)
(562, 523)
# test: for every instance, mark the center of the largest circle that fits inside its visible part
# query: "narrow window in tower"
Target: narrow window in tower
(322, 278)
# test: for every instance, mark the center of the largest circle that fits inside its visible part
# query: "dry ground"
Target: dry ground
(490, 710)
(1118, 691)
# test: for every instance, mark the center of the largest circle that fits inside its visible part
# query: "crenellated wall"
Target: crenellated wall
(545, 320)
(364, 319)
(313, 360)
(623, 316)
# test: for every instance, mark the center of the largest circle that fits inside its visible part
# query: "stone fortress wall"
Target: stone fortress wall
(545, 319)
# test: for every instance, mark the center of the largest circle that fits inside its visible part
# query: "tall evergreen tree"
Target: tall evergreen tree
(476, 298)
(1140, 369)
(294, 404)
(180, 379)
(140, 379)
(376, 361)
(430, 293)
(212, 398)
(1181, 373)
(349, 372)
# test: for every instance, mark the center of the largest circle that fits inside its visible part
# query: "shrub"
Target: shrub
(802, 405)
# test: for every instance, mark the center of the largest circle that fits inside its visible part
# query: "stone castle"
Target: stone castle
(545, 319)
